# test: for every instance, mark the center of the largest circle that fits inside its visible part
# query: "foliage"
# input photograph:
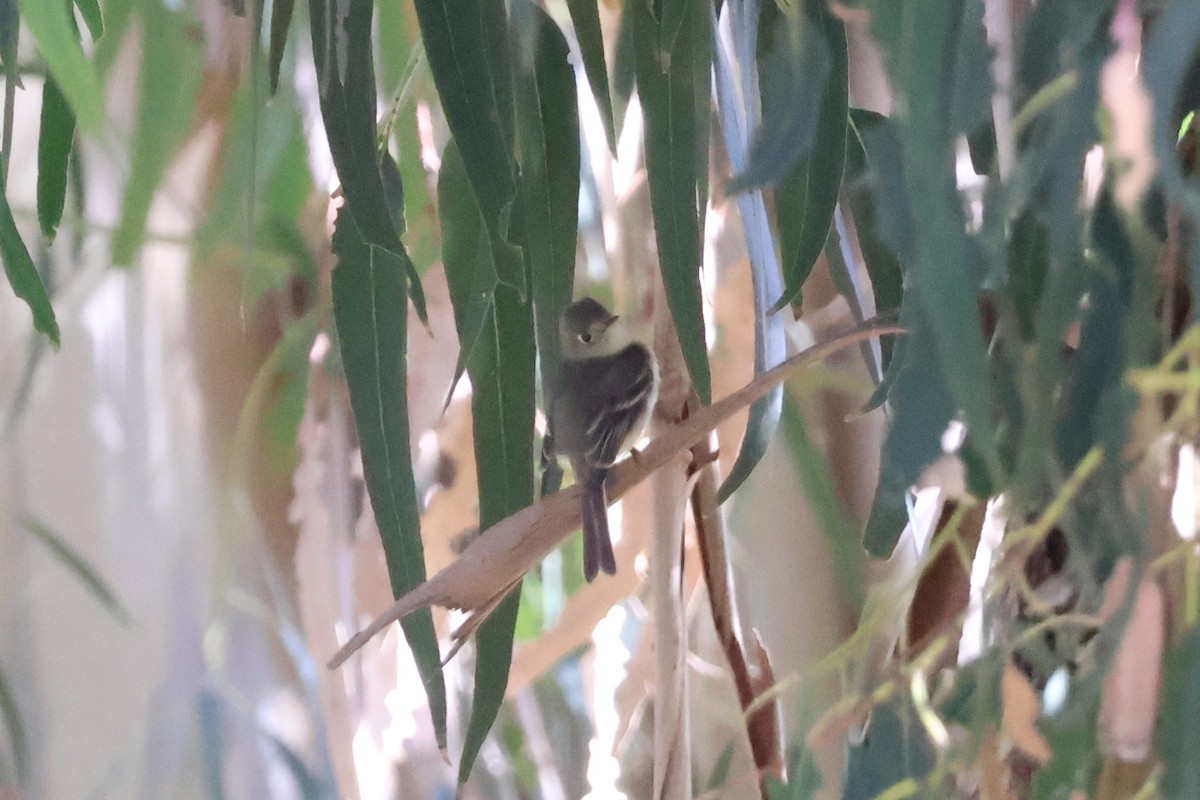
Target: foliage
(1045, 301)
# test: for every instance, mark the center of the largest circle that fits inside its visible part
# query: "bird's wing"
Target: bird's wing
(613, 402)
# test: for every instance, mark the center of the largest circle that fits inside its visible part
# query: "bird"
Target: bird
(603, 396)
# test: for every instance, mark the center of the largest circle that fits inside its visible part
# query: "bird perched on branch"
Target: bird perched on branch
(606, 388)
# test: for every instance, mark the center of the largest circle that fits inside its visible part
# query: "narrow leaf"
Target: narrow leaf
(22, 274)
(806, 196)
(15, 725)
(670, 98)
(370, 310)
(470, 274)
(79, 567)
(1179, 728)
(472, 82)
(585, 16)
(549, 148)
(171, 70)
(53, 25)
(54, 150)
(281, 21)
(502, 412)
(90, 10)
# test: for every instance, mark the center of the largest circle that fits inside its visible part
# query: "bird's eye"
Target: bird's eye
(586, 338)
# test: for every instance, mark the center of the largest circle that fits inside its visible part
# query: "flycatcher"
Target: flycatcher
(606, 387)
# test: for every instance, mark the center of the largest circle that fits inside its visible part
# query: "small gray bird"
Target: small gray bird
(606, 388)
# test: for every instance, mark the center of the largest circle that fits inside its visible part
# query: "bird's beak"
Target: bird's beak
(608, 323)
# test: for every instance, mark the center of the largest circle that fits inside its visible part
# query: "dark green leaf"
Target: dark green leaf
(806, 196)
(624, 66)
(22, 274)
(53, 25)
(370, 310)
(281, 20)
(55, 138)
(90, 10)
(79, 567)
(393, 189)
(1028, 261)
(895, 748)
(940, 265)
(470, 275)
(922, 408)
(549, 147)
(585, 16)
(794, 70)
(472, 81)
(1179, 728)
(970, 104)
(171, 70)
(883, 266)
(10, 22)
(670, 97)
(502, 413)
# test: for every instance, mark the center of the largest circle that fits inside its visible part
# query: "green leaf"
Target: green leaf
(79, 567)
(53, 25)
(90, 10)
(807, 194)
(470, 275)
(883, 266)
(671, 97)
(921, 409)
(549, 148)
(939, 268)
(348, 108)
(894, 749)
(371, 313)
(172, 59)
(502, 412)
(793, 65)
(1178, 734)
(1028, 261)
(473, 82)
(281, 21)
(22, 274)
(55, 138)
(585, 16)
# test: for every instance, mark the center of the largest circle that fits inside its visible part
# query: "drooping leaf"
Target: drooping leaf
(470, 274)
(22, 274)
(940, 267)
(465, 41)
(502, 369)
(171, 72)
(549, 153)
(585, 16)
(883, 266)
(794, 64)
(79, 567)
(770, 345)
(90, 11)
(671, 97)
(806, 195)
(53, 25)
(281, 21)
(55, 138)
(370, 309)
(348, 108)
(15, 725)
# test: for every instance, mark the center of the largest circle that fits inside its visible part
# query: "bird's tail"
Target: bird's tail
(597, 545)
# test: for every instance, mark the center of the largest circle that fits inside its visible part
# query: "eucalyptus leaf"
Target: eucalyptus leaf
(22, 274)
(92, 17)
(281, 21)
(370, 310)
(52, 23)
(74, 563)
(55, 139)
(585, 16)
(1178, 734)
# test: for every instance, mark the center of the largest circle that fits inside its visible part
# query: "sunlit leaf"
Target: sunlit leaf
(585, 16)
(670, 97)
(22, 274)
(55, 138)
(52, 23)
(170, 78)
(371, 310)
